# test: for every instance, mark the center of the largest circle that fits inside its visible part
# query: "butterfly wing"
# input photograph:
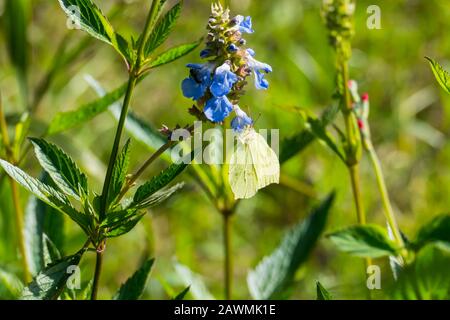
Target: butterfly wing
(242, 174)
(265, 161)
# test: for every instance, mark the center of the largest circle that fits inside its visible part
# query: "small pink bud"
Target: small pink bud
(365, 97)
(360, 124)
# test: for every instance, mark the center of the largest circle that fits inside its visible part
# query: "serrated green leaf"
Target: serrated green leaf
(442, 76)
(436, 230)
(182, 294)
(157, 197)
(51, 281)
(86, 15)
(322, 293)
(427, 278)
(364, 241)
(173, 54)
(61, 168)
(273, 276)
(47, 194)
(158, 182)
(125, 222)
(119, 173)
(51, 253)
(135, 285)
(10, 285)
(162, 29)
(70, 119)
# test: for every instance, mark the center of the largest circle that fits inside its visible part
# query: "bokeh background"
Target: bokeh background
(410, 120)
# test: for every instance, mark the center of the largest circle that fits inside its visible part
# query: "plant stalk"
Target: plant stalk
(15, 197)
(389, 212)
(132, 80)
(98, 270)
(228, 262)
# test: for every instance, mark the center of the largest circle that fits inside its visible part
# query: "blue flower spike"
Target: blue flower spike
(218, 84)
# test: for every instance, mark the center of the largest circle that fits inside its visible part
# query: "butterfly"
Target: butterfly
(253, 165)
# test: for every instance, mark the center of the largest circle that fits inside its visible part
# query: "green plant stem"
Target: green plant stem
(115, 150)
(146, 164)
(228, 262)
(18, 212)
(352, 159)
(389, 212)
(98, 270)
(132, 80)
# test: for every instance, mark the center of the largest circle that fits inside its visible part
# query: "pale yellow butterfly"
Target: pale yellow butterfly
(253, 165)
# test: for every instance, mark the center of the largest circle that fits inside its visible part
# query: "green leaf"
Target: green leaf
(442, 76)
(273, 276)
(321, 132)
(51, 281)
(162, 29)
(182, 294)
(174, 54)
(121, 222)
(70, 119)
(364, 241)
(436, 230)
(428, 278)
(17, 16)
(322, 293)
(158, 182)
(119, 173)
(61, 168)
(47, 194)
(135, 285)
(86, 15)
(51, 253)
(10, 285)
(157, 197)
(291, 146)
(40, 219)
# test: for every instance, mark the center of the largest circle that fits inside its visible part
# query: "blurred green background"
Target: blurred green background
(410, 120)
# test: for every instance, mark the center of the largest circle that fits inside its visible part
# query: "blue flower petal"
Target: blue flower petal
(244, 24)
(241, 121)
(260, 82)
(218, 108)
(192, 89)
(223, 81)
